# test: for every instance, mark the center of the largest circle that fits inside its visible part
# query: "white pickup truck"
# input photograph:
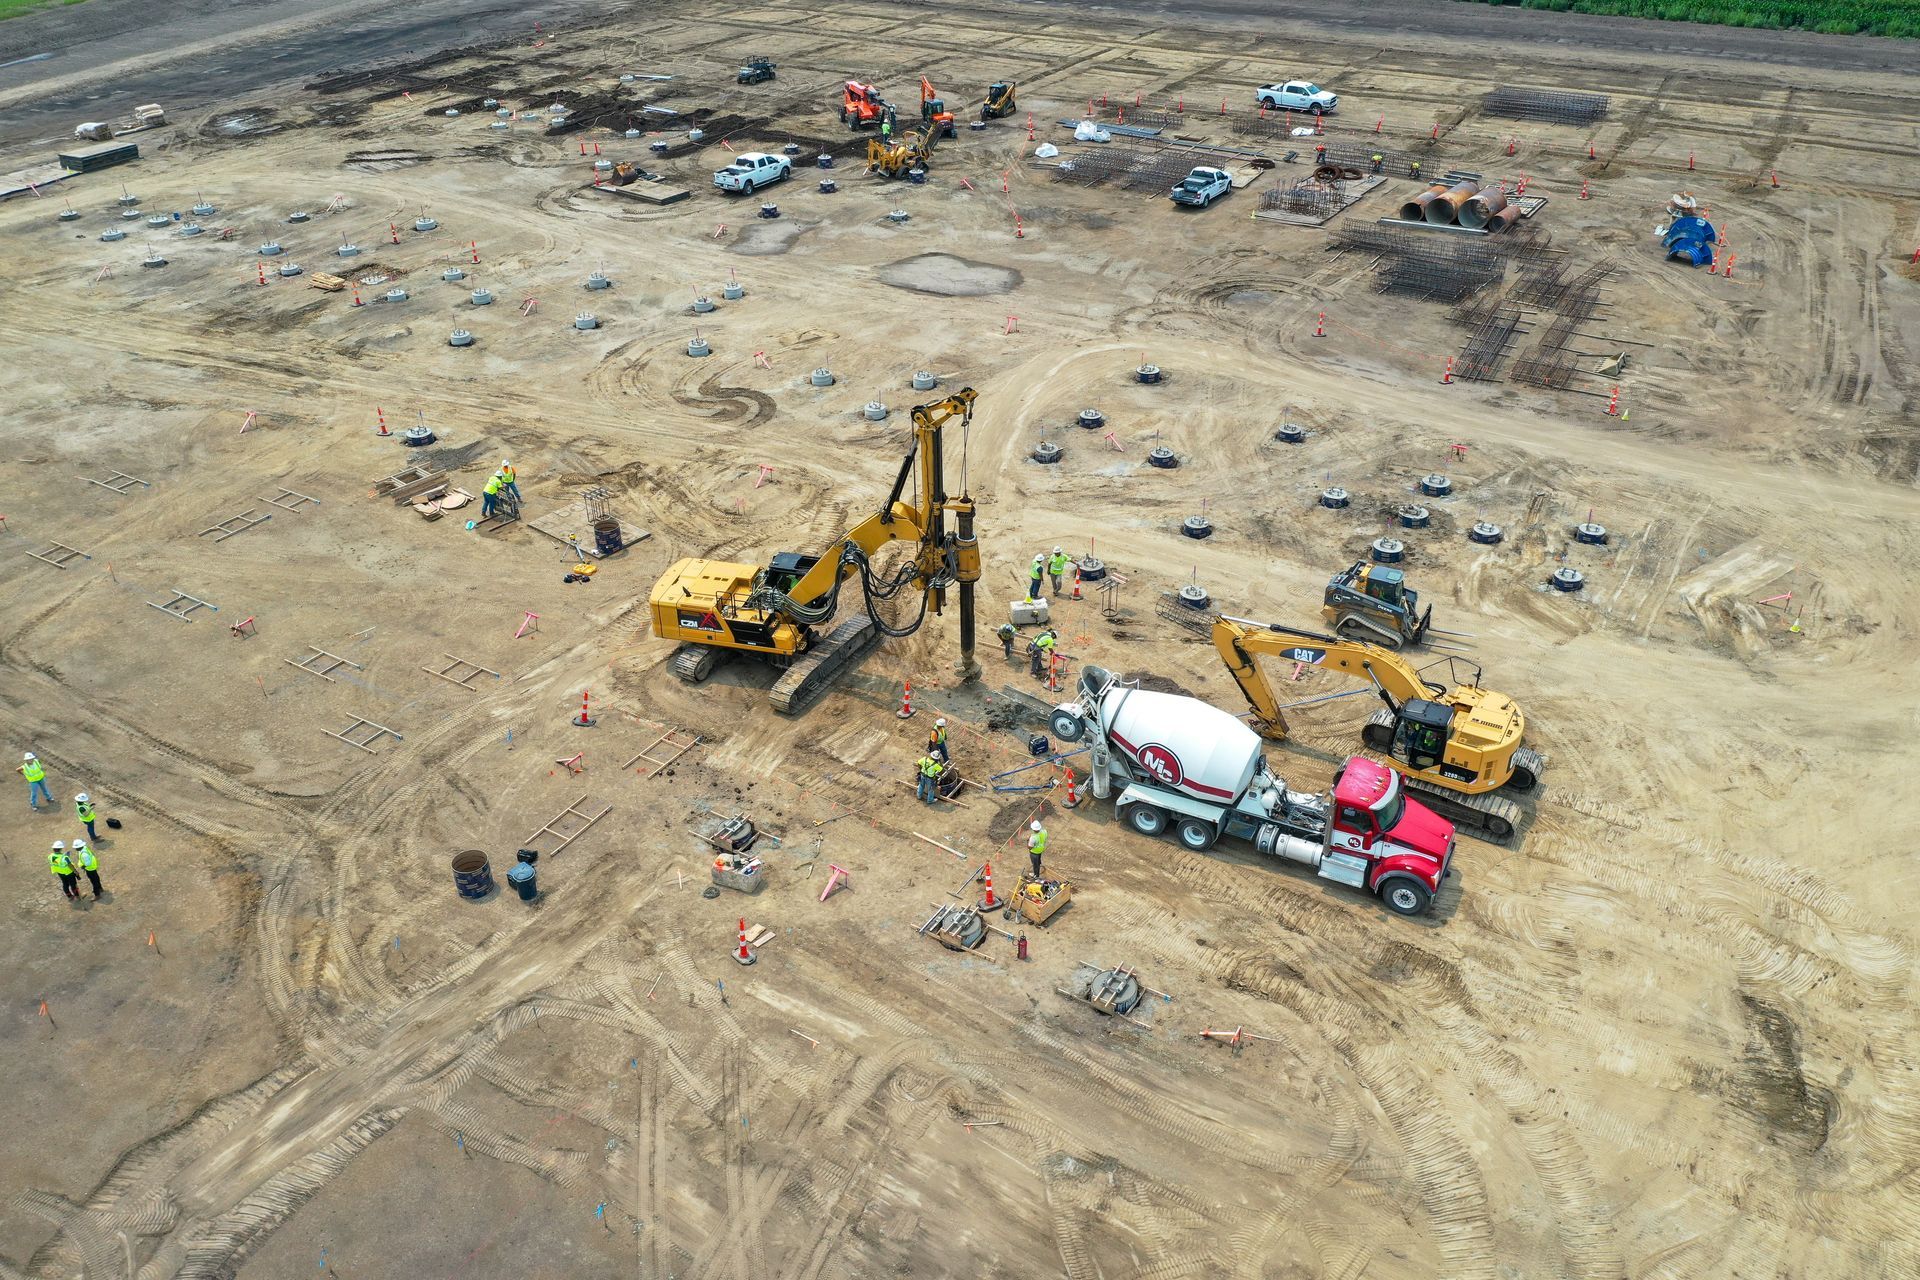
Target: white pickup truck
(1297, 95)
(751, 170)
(1202, 187)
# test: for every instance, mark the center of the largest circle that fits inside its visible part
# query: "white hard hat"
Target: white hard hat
(59, 844)
(505, 463)
(940, 724)
(29, 755)
(79, 844)
(82, 797)
(1057, 551)
(1034, 825)
(1039, 555)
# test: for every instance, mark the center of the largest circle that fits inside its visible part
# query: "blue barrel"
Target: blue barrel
(472, 877)
(524, 879)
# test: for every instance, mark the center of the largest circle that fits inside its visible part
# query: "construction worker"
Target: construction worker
(1034, 574)
(509, 479)
(1378, 160)
(1043, 652)
(1036, 845)
(929, 779)
(63, 867)
(937, 741)
(36, 775)
(1413, 168)
(83, 809)
(83, 855)
(490, 496)
(1007, 635)
(886, 127)
(1057, 564)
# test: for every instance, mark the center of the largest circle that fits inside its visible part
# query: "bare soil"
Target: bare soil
(1666, 1032)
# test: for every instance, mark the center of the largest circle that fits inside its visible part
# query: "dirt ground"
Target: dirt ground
(1668, 1031)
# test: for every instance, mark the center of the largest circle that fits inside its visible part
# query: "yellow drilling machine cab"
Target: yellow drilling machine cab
(776, 611)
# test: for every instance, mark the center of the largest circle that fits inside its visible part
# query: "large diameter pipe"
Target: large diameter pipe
(1444, 209)
(1414, 206)
(1479, 211)
(1503, 219)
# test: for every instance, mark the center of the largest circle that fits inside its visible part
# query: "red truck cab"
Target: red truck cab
(1407, 846)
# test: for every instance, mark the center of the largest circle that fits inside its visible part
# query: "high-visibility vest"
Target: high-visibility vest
(1045, 642)
(506, 475)
(1037, 842)
(929, 767)
(493, 487)
(936, 737)
(1058, 564)
(33, 770)
(87, 861)
(84, 809)
(58, 861)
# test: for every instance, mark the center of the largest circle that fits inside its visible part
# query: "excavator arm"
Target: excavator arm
(1241, 641)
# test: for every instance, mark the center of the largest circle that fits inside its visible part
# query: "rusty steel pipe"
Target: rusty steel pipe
(1479, 211)
(1444, 209)
(1414, 206)
(1503, 220)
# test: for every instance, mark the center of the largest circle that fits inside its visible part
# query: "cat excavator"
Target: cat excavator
(1457, 745)
(716, 608)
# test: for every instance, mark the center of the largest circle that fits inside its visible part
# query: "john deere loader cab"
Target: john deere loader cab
(1373, 602)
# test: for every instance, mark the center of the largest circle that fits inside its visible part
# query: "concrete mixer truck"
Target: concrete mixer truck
(1185, 766)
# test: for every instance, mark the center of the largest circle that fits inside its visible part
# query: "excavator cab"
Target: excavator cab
(787, 568)
(933, 110)
(1420, 736)
(1000, 101)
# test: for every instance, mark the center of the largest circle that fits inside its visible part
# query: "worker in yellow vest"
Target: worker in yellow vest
(937, 741)
(929, 779)
(1036, 845)
(1041, 653)
(509, 479)
(1058, 563)
(36, 775)
(62, 866)
(490, 497)
(83, 809)
(89, 864)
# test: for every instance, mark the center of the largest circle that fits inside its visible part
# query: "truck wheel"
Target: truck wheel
(1067, 726)
(1316, 108)
(1197, 835)
(746, 188)
(1404, 895)
(1147, 820)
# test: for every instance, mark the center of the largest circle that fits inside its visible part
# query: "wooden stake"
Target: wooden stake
(936, 844)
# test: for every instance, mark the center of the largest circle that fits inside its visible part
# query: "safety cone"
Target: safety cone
(475, 246)
(1728, 273)
(1379, 124)
(393, 230)
(1613, 404)
(906, 701)
(583, 719)
(1073, 797)
(1583, 188)
(1775, 175)
(1512, 149)
(1436, 133)
(356, 297)
(1076, 582)
(1689, 162)
(263, 271)
(1447, 377)
(1319, 129)
(1590, 154)
(383, 421)
(1320, 326)
(743, 955)
(989, 903)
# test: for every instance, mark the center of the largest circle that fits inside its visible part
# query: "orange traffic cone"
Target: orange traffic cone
(744, 956)
(1076, 572)
(1073, 797)
(989, 903)
(906, 701)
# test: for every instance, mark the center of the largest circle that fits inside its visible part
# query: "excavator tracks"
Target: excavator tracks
(811, 675)
(695, 662)
(1493, 816)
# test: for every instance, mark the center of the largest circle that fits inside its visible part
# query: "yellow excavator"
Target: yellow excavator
(716, 608)
(1456, 744)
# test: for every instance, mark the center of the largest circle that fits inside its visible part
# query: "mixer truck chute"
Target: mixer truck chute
(1187, 767)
